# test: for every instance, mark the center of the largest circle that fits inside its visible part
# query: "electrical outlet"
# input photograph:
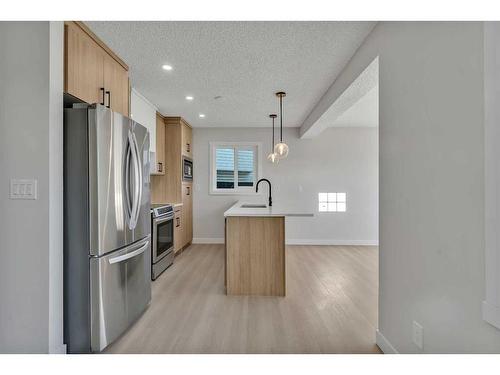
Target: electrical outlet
(418, 335)
(23, 189)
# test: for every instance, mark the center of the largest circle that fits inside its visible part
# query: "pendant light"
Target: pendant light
(281, 149)
(272, 157)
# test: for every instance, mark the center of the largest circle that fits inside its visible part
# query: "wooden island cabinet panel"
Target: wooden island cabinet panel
(255, 256)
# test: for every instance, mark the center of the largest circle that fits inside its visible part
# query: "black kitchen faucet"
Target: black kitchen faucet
(257, 189)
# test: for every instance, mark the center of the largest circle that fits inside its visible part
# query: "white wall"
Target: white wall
(432, 265)
(341, 160)
(31, 147)
(491, 305)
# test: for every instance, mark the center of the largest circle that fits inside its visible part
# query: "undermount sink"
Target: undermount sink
(253, 206)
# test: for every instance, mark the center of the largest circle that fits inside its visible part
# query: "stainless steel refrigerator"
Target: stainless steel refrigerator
(107, 226)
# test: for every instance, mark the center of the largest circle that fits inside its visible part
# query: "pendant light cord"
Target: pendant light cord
(281, 119)
(272, 143)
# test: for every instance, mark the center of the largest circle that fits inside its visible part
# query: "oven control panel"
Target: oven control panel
(162, 210)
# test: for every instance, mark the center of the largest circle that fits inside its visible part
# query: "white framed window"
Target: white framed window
(332, 202)
(234, 167)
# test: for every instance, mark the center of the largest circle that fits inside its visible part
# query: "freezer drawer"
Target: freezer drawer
(120, 290)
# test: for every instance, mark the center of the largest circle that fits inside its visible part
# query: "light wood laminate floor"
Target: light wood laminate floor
(330, 306)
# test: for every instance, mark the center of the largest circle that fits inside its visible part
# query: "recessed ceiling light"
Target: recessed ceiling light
(167, 67)
(202, 115)
(189, 97)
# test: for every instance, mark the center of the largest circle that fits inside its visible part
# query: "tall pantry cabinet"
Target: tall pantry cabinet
(171, 187)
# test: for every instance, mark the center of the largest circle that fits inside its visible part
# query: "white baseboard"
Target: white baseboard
(220, 240)
(384, 344)
(491, 314)
(208, 240)
(331, 242)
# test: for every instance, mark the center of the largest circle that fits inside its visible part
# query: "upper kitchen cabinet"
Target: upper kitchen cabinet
(187, 139)
(83, 65)
(92, 72)
(116, 84)
(160, 145)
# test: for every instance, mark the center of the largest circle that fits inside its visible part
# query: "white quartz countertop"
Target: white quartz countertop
(276, 210)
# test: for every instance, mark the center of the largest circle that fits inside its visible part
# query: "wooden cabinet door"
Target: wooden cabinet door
(187, 140)
(160, 145)
(83, 65)
(116, 84)
(187, 211)
(178, 230)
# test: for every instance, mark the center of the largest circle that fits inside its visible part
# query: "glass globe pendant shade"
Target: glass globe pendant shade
(272, 157)
(281, 150)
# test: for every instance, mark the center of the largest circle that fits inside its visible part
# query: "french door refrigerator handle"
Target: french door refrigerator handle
(137, 186)
(127, 181)
(133, 207)
(132, 254)
(139, 180)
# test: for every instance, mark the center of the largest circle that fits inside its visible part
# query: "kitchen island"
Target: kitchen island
(255, 249)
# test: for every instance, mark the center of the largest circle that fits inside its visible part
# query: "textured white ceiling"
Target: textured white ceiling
(243, 62)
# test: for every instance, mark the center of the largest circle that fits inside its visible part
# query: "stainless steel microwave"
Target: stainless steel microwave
(187, 169)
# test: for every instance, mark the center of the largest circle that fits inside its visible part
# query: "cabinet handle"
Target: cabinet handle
(188, 147)
(103, 94)
(109, 98)
(188, 190)
(178, 224)
(160, 167)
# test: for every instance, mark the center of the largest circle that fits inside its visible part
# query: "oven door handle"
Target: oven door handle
(163, 219)
(132, 254)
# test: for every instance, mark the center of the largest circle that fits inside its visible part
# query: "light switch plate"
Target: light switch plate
(23, 189)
